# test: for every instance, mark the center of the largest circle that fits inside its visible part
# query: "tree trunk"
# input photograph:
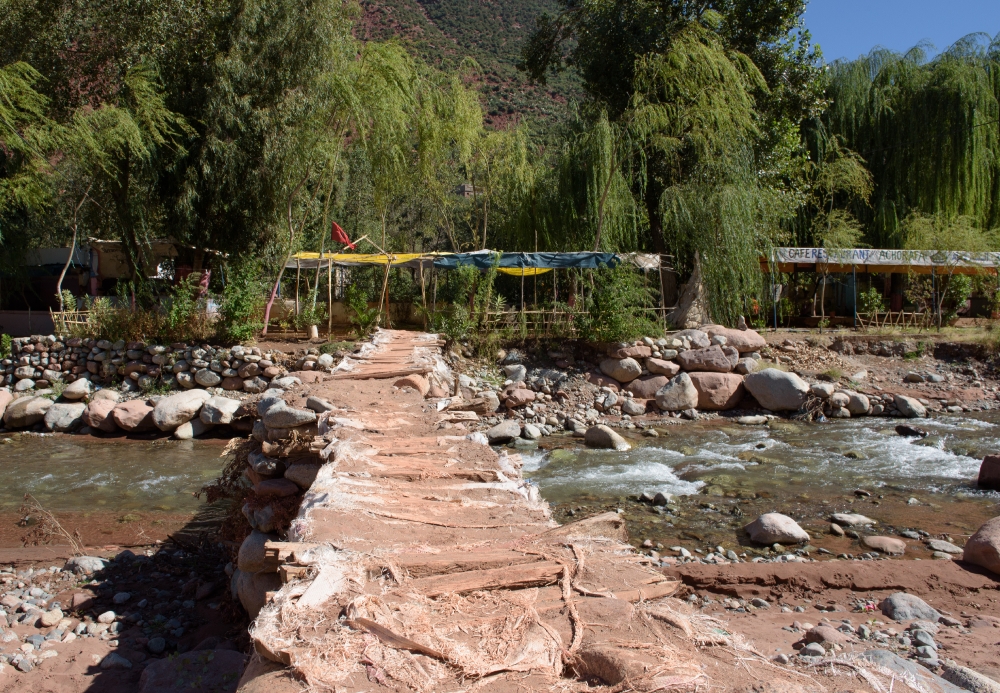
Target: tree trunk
(72, 249)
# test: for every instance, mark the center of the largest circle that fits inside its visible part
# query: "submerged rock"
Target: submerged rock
(989, 473)
(775, 528)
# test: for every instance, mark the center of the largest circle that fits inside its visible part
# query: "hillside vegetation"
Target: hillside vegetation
(491, 32)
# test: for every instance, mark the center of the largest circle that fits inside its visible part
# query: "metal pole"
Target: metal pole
(854, 272)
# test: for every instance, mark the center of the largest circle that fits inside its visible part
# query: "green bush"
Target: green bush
(361, 316)
(241, 312)
(5, 345)
(871, 301)
(619, 309)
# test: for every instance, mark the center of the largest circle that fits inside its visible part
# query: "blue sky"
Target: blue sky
(849, 28)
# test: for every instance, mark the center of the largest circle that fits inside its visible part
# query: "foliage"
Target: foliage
(618, 308)
(241, 309)
(362, 317)
(6, 344)
(871, 301)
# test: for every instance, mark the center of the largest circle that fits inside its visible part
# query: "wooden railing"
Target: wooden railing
(899, 319)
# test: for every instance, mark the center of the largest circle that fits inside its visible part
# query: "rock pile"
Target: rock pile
(39, 362)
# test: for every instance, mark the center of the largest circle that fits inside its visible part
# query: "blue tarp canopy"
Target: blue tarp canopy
(485, 259)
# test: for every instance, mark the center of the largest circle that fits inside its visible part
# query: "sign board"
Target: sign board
(873, 256)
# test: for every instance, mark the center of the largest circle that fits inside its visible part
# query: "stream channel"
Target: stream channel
(721, 475)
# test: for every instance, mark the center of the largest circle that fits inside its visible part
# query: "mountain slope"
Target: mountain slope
(491, 32)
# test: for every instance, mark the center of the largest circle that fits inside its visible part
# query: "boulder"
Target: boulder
(839, 400)
(254, 385)
(262, 464)
(191, 429)
(661, 367)
(318, 404)
(515, 372)
(26, 411)
(518, 397)
(911, 671)
(504, 432)
(65, 416)
(851, 520)
(185, 380)
(910, 407)
(108, 394)
(415, 381)
(78, 389)
(823, 390)
(85, 565)
(713, 359)
(252, 589)
(232, 383)
(647, 386)
(304, 474)
(746, 366)
(212, 670)
(134, 416)
(632, 352)
(889, 545)
(290, 381)
(717, 391)
(679, 394)
(170, 412)
(97, 415)
(989, 473)
(857, 403)
(604, 437)
(775, 528)
(283, 416)
(969, 679)
(744, 341)
(983, 548)
(943, 546)
(633, 407)
(218, 410)
(623, 370)
(206, 377)
(907, 607)
(826, 634)
(777, 390)
(278, 488)
(5, 398)
(250, 558)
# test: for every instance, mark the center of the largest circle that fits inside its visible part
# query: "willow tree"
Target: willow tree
(928, 130)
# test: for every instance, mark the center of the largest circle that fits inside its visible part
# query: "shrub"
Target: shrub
(361, 316)
(241, 312)
(871, 301)
(619, 308)
(6, 344)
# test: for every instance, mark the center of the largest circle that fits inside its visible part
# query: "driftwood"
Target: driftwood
(510, 578)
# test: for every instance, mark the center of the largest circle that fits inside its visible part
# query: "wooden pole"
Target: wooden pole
(423, 293)
(298, 273)
(329, 298)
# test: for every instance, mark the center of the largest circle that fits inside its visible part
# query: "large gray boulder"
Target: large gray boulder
(712, 360)
(623, 370)
(5, 399)
(907, 607)
(910, 407)
(218, 410)
(777, 390)
(775, 528)
(983, 548)
(26, 411)
(661, 367)
(604, 437)
(910, 671)
(170, 412)
(65, 416)
(281, 415)
(504, 432)
(78, 389)
(647, 386)
(679, 394)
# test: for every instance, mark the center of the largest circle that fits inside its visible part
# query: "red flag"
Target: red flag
(337, 234)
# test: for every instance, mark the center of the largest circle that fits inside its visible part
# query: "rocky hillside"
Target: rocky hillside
(444, 32)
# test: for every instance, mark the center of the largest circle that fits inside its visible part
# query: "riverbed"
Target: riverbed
(722, 474)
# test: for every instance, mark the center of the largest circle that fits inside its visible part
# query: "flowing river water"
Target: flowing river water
(720, 474)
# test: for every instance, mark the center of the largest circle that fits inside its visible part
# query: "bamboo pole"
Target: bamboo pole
(329, 298)
(298, 273)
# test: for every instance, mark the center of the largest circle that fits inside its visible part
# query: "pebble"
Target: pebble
(156, 645)
(120, 598)
(813, 649)
(107, 617)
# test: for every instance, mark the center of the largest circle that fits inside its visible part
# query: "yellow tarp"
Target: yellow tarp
(524, 271)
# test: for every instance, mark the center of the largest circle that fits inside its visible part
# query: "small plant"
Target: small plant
(823, 323)
(241, 312)
(362, 317)
(6, 344)
(309, 316)
(871, 301)
(834, 374)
